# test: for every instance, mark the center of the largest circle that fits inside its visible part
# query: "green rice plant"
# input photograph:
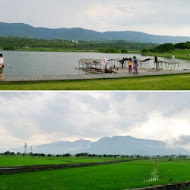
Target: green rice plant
(119, 176)
(6, 161)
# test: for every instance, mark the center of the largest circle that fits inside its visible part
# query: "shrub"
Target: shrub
(124, 51)
(9, 48)
(165, 47)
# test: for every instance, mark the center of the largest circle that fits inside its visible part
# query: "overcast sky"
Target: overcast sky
(40, 118)
(165, 17)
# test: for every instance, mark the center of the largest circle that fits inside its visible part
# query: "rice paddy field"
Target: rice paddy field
(119, 176)
(6, 161)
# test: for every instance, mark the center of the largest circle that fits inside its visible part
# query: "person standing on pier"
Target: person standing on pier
(130, 65)
(2, 66)
(104, 63)
(135, 65)
(122, 62)
(173, 58)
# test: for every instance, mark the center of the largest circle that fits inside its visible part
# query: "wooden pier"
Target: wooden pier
(95, 66)
(142, 73)
(168, 65)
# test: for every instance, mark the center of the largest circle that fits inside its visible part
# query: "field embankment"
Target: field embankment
(23, 169)
(177, 186)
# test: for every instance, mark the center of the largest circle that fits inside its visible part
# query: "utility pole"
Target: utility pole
(31, 149)
(25, 148)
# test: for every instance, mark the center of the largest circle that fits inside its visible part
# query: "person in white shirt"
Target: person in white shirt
(173, 58)
(2, 65)
(104, 63)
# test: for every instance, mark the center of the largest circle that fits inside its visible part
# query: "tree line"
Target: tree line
(168, 47)
(16, 43)
(87, 155)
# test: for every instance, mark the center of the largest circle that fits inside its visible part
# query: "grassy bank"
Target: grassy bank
(170, 82)
(180, 54)
(115, 177)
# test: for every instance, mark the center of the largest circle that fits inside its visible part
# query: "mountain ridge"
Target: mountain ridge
(77, 33)
(117, 145)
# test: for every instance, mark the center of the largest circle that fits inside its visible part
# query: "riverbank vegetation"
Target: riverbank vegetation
(28, 44)
(180, 50)
(169, 82)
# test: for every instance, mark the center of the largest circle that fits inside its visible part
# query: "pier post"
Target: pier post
(156, 61)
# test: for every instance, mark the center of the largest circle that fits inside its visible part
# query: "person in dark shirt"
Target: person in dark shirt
(135, 65)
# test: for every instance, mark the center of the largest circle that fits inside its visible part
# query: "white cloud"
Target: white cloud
(162, 128)
(167, 17)
(39, 118)
(183, 140)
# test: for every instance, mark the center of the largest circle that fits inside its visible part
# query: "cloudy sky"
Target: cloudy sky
(165, 17)
(40, 118)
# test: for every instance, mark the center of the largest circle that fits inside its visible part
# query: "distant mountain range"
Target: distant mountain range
(24, 30)
(122, 145)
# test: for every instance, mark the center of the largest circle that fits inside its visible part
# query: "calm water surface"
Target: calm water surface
(55, 63)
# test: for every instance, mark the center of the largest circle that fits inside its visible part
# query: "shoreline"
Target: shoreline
(86, 51)
(74, 51)
(169, 55)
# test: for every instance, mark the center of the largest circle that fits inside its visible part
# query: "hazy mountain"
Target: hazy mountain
(63, 147)
(115, 145)
(131, 146)
(24, 30)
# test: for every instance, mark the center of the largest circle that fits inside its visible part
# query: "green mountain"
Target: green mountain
(24, 30)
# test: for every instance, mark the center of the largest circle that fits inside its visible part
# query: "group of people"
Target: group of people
(133, 65)
(2, 66)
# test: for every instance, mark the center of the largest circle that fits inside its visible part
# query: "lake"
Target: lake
(56, 63)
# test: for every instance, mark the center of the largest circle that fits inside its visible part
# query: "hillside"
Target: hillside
(24, 30)
(123, 145)
(132, 146)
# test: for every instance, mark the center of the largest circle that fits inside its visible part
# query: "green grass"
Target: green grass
(28, 161)
(169, 82)
(180, 54)
(107, 177)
